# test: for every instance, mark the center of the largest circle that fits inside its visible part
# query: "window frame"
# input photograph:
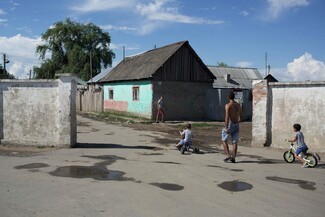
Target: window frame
(136, 93)
(110, 90)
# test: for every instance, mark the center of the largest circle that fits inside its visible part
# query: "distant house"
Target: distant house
(229, 79)
(174, 71)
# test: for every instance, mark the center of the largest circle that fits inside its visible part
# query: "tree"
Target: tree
(82, 49)
(5, 74)
(222, 64)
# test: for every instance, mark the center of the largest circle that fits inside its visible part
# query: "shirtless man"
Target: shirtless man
(232, 119)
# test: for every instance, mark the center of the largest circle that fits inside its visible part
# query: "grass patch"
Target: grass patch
(120, 117)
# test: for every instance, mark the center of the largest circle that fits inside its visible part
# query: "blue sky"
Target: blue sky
(237, 32)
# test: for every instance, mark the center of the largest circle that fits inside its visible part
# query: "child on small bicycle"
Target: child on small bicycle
(187, 136)
(302, 147)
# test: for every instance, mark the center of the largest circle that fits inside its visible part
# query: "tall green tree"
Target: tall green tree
(72, 47)
(222, 64)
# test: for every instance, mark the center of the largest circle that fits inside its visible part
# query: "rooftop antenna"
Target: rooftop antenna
(123, 53)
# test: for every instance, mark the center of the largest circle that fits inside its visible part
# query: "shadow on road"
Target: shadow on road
(113, 146)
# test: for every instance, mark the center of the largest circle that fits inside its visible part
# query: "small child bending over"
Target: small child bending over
(300, 139)
(187, 136)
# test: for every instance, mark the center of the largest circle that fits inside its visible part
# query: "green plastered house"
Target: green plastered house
(174, 71)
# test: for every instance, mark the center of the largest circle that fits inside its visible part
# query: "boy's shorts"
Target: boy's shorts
(233, 130)
(301, 149)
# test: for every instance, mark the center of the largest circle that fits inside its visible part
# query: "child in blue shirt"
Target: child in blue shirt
(300, 139)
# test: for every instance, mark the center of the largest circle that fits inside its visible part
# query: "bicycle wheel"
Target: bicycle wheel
(289, 157)
(312, 161)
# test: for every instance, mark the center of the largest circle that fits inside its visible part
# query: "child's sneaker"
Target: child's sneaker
(227, 159)
(305, 165)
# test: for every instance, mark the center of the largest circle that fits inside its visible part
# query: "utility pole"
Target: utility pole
(91, 67)
(5, 61)
(265, 63)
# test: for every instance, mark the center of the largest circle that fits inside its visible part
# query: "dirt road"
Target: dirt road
(122, 171)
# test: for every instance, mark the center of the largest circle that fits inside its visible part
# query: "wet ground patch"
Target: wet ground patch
(301, 183)
(226, 168)
(106, 159)
(150, 154)
(168, 186)
(235, 186)
(32, 166)
(95, 172)
(166, 162)
(260, 160)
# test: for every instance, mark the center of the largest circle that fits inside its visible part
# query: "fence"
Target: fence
(90, 100)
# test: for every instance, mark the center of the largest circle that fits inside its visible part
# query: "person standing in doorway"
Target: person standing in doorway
(161, 111)
(232, 119)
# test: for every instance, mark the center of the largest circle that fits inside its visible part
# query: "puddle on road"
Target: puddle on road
(301, 183)
(108, 159)
(235, 186)
(168, 186)
(32, 166)
(166, 162)
(94, 172)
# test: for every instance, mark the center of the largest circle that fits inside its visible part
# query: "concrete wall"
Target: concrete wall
(285, 104)
(259, 119)
(123, 97)
(183, 100)
(40, 112)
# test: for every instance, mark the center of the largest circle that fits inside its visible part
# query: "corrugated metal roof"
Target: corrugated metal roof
(239, 77)
(142, 66)
(99, 76)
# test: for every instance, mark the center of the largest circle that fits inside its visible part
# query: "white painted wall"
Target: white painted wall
(38, 112)
(277, 106)
(302, 103)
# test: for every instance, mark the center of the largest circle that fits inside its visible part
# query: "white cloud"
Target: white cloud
(158, 11)
(281, 74)
(118, 28)
(20, 52)
(244, 64)
(244, 13)
(302, 68)
(102, 5)
(3, 21)
(277, 7)
(2, 12)
(306, 68)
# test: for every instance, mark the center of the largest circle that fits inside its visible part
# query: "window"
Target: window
(135, 91)
(110, 94)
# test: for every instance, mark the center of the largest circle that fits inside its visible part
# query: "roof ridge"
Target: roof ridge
(155, 49)
(231, 67)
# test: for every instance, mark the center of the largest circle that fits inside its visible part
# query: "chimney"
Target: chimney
(227, 77)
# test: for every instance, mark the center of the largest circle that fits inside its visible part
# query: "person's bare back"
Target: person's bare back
(232, 112)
